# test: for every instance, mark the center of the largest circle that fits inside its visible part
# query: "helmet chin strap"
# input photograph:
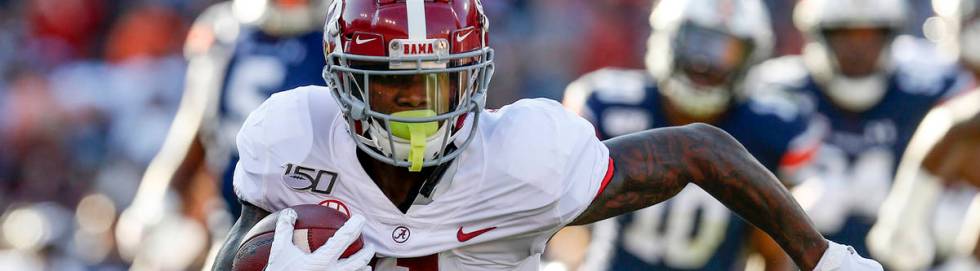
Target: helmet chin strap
(697, 102)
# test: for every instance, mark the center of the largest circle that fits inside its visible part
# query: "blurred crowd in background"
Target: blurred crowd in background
(88, 89)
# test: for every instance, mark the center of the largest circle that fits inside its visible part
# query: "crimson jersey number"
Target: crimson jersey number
(424, 263)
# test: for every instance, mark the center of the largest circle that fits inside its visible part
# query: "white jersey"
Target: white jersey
(532, 168)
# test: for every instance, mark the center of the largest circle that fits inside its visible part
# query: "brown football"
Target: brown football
(314, 225)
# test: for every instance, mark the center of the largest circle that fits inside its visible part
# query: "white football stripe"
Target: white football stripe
(301, 240)
(416, 19)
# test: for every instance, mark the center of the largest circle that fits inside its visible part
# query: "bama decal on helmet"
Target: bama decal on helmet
(418, 48)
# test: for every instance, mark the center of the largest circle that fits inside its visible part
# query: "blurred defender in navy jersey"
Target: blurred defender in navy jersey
(697, 57)
(873, 87)
(240, 52)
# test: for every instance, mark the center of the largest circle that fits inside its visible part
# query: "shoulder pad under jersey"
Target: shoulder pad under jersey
(553, 152)
(279, 131)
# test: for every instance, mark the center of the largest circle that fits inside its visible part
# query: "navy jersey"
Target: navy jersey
(852, 172)
(259, 65)
(691, 231)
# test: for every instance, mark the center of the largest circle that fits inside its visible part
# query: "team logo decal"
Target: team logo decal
(306, 178)
(466, 236)
(336, 204)
(400, 234)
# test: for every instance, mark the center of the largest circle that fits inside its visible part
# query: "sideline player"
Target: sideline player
(697, 56)
(910, 235)
(873, 87)
(239, 53)
(400, 140)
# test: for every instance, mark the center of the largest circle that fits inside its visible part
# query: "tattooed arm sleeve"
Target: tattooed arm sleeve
(654, 165)
(250, 216)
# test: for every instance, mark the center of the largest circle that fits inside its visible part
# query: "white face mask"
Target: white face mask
(697, 102)
(970, 43)
(856, 94)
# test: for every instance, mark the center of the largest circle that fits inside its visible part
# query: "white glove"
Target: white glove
(285, 256)
(844, 258)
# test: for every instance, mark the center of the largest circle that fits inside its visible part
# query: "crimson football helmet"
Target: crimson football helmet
(407, 74)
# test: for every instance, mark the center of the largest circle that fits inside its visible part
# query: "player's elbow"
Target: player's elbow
(716, 145)
(709, 135)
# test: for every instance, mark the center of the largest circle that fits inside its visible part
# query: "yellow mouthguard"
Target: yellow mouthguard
(416, 133)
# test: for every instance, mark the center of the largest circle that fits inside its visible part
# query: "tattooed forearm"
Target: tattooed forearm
(250, 216)
(654, 165)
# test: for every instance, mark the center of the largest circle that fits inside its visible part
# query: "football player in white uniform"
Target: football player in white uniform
(922, 221)
(400, 137)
